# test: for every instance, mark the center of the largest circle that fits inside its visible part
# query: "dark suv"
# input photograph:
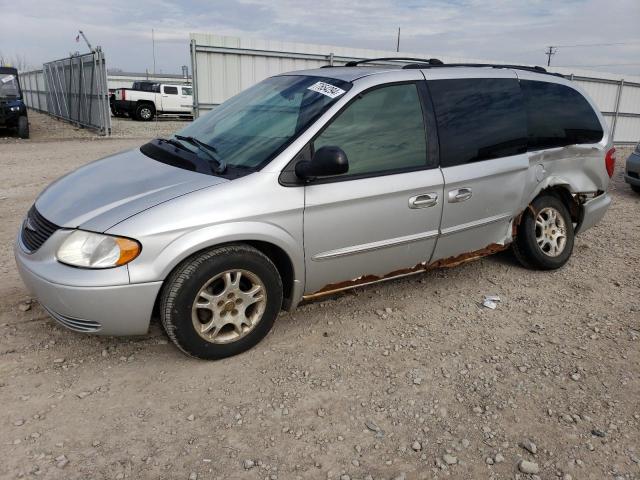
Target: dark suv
(13, 111)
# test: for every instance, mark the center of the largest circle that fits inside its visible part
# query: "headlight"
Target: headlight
(15, 109)
(94, 250)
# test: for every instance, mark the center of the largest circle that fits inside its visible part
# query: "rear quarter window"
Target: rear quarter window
(478, 119)
(558, 115)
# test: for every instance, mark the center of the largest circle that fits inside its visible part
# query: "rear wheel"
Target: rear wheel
(545, 235)
(23, 127)
(221, 302)
(145, 112)
(635, 188)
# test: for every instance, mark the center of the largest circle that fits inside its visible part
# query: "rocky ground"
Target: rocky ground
(410, 379)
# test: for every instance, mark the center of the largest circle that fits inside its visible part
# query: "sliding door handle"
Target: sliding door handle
(459, 195)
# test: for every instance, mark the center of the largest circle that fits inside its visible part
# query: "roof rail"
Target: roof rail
(493, 65)
(426, 61)
(528, 68)
(422, 63)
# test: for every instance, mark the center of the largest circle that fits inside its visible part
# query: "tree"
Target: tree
(18, 61)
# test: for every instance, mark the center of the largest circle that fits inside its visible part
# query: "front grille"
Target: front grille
(75, 324)
(36, 230)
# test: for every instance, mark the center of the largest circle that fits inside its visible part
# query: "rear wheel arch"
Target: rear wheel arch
(564, 194)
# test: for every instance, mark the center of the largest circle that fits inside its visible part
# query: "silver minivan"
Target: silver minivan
(312, 182)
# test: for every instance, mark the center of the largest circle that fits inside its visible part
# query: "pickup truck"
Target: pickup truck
(147, 99)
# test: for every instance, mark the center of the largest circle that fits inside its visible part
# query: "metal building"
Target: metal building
(223, 66)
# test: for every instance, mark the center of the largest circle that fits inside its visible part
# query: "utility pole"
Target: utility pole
(550, 51)
(153, 46)
(398, 42)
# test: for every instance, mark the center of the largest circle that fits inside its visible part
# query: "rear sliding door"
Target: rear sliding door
(482, 134)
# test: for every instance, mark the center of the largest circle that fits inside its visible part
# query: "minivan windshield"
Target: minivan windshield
(248, 130)
(9, 87)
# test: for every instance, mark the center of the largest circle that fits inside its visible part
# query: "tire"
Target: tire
(635, 188)
(206, 274)
(145, 112)
(23, 127)
(533, 247)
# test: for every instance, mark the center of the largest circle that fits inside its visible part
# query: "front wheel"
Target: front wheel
(635, 188)
(221, 302)
(23, 127)
(544, 239)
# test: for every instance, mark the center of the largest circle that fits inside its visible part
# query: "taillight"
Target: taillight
(610, 161)
(123, 95)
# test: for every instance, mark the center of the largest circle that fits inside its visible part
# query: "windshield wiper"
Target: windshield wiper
(175, 143)
(207, 149)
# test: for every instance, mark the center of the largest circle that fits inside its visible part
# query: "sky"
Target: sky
(515, 31)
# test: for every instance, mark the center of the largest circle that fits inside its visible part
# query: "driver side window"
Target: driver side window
(381, 131)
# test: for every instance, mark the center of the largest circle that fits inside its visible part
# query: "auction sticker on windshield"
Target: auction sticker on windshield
(326, 89)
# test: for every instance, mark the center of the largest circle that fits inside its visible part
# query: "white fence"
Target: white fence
(223, 66)
(34, 89)
(73, 89)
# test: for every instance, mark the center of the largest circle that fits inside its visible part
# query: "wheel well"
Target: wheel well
(565, 196)
(145, 102)
(282, 262)
(278, 256)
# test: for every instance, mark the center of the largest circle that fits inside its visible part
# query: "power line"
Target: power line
(602, 65)
(596, 44)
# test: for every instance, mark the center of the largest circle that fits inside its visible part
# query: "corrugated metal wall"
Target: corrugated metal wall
(223, 66)
(73, 89)
(34, 89)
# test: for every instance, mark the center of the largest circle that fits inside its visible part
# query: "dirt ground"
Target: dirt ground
(43, 127)
(411, 379)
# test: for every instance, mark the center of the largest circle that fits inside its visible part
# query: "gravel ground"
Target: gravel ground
(43, 127)
(409, 379)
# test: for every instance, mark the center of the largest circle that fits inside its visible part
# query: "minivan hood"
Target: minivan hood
(105, 192)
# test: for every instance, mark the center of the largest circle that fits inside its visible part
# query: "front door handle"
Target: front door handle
(459, 195)
(424, 200)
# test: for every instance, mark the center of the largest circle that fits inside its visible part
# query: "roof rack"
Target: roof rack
(425, 61)
(492, 65)
(528, 68)
(421, 63)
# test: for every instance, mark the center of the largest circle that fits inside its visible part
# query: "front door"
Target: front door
(383, 215)
(483, 133)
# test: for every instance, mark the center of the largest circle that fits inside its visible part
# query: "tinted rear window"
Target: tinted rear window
(478, 119)
(558, 115)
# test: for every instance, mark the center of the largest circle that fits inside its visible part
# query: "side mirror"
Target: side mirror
(326, 161)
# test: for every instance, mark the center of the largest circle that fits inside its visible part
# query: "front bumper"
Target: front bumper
(592, 211)
(106, 310)
(632, 170)
(8, 119)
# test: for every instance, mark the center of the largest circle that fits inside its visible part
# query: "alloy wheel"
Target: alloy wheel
(551, 232)
(229, 306)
